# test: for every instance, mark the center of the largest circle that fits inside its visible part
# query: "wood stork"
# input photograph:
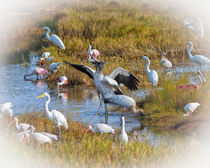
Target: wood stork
(54, 115)
(101, 127)
(123, 137)
(92, 52)
(165, 62)
(152, 74)
(190, 108)
(54, 68)
(198, 59)
(105, 85)
(21, 126)
(5, 110)
(63, 80)
(38, 71)
(54, 39)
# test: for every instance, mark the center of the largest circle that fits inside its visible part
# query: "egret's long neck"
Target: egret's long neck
(147, 66)
(189, 52)
(47, 34)
(123, 125)
(49, 115)
(16, 124)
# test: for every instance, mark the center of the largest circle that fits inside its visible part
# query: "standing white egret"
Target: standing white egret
(54, 115)
(123, 137)
(21, 126)
(101, 127)
(165, 62)
(54, 38)
(63, 80)
(152, 74)
(198, 59)
(5, 110)
(190, 108)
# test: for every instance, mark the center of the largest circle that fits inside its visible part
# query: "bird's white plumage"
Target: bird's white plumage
(45, 54)
(21, 126)
(39, 138)
(20, 136)
(152, 74)
(5, 109)
(190, 108)
(63, 80)
(102, 128)
(123, 137)
(165, 62)
(54, 66)
(54, 39)
(51, 136)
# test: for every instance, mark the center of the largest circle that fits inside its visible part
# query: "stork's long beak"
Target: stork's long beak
(86, 131)
(40, 96)
(11, 122)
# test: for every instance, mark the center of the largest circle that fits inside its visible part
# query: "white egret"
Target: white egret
(123, 137)
(165, 62)
(152, 74)
(102, 128)
(21, 126)
(54, 115)
(5, 109)
(54, 38)
(190, 108)
(198, 59)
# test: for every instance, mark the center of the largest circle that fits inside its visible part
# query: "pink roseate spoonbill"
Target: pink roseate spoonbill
(57, 117)
(198, 59)
(54, 68)
(38, 71)
(108, 88)
(190, 108)
(92, 53)
(63, 80)
(5, 110)
(192, 86)
(165, 62)
(152, 74)
(102, 128)
(54, 39)
(21, 126)
(123, 137)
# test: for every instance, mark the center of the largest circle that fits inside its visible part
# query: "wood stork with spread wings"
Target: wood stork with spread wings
(152, 74)
(54, 115)
(54, 38)
(198, 59)
(105, 85)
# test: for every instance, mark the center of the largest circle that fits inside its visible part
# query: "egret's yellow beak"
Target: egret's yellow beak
(40, 96)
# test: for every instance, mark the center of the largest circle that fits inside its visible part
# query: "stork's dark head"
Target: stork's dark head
(97, 63)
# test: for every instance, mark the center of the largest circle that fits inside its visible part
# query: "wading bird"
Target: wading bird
(63, 80)
(152, 74)
(5, 110)
(38, 72)
(54, 115)
(45, 58)
(105, 85)
(54, 68)
(102, 128)
(190, 108)
(165, 62)
(92, 52)
(123, 137)
(192, 86)
(54, 39)
(21, 126)
(198, 59)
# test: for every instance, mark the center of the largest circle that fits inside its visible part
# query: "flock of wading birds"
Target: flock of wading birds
(108, 90)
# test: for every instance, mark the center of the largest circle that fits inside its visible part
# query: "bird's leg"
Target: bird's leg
(123, 112)
(201, 74)
(190, 115)
(59, 133)
(106, 109)
(54, 75)
(100, 101)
